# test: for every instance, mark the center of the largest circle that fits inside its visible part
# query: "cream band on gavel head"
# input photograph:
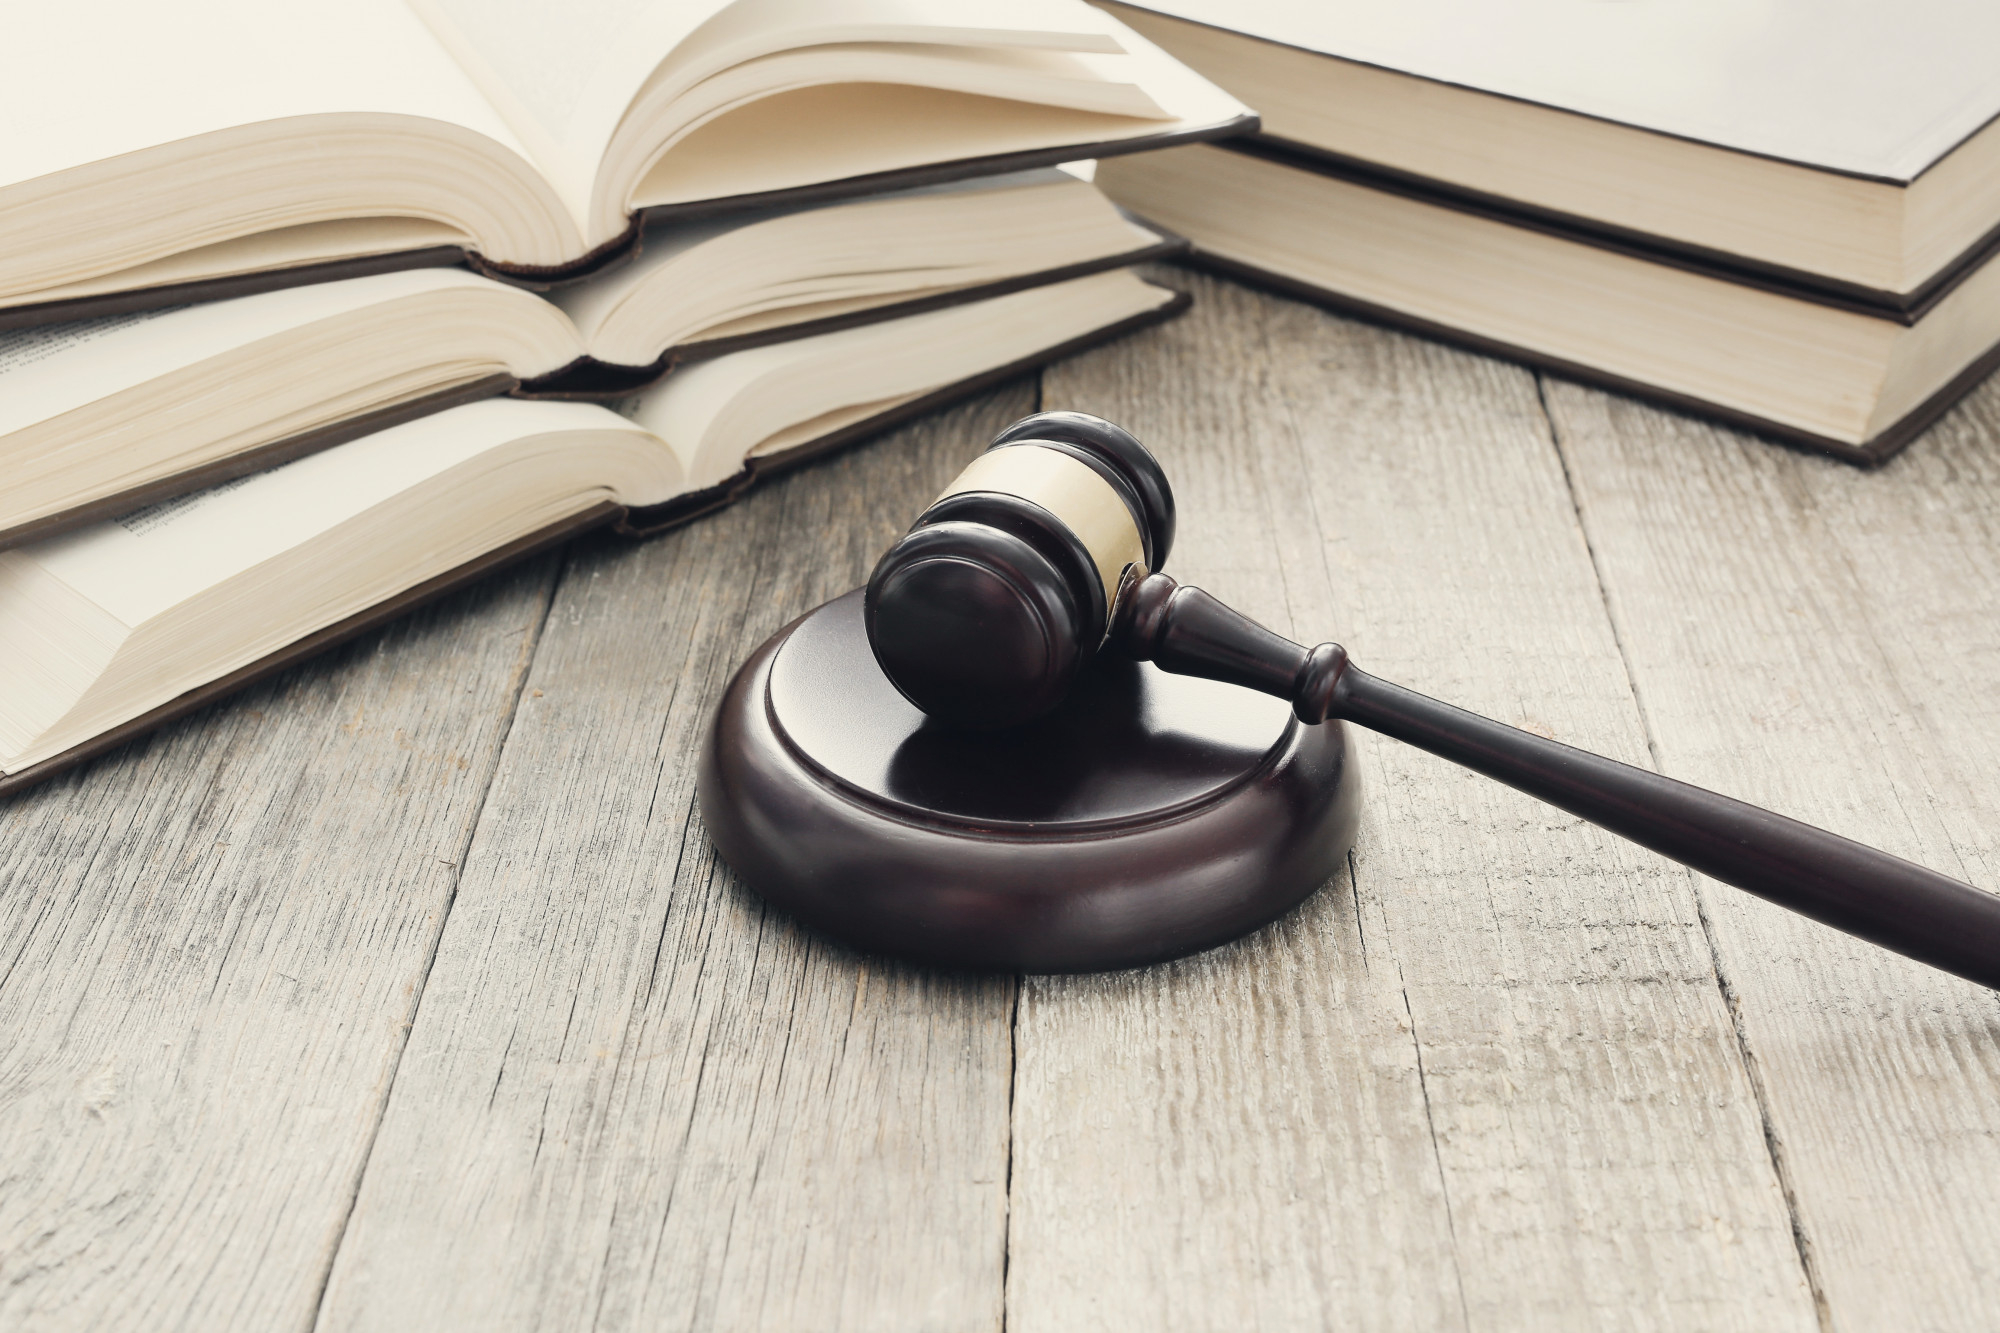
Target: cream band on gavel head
(1084, 502)
(984, 611)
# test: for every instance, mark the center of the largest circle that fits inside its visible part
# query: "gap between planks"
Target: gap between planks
(523, 665)
(523, 671)
(1565, 1012)
(1773, 1145)
(731, 1131)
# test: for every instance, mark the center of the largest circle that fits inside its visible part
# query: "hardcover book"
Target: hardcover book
(112, 629)
(100, 416)
(161, 153)
(1856, 384)
(1848, 151)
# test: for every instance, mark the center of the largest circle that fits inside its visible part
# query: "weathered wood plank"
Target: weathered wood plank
(634, 1098)
(1825, 641)
(211, 946)
(1504, 1090)
(1488, 1081)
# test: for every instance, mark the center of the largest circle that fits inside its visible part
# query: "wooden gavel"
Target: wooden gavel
(1046, 550)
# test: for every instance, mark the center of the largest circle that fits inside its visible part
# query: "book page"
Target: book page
(565, 75)
(748, 29)
(264, 251)
(1862, 86)
(25, 349)
(562, 74)
(829, 251)
(138, 566)
(714, 414)
(87, 80)
(827, 132)
(47, 371)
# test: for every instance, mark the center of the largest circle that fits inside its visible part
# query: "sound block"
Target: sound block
(1150, 816)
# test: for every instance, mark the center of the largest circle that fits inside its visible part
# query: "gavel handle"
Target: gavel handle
(1867, 893)
(1892, 902)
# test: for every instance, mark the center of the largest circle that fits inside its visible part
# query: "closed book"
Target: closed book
(1848, 152)
(1852, 383)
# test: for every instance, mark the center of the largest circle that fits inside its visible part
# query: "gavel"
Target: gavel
(1046, 552)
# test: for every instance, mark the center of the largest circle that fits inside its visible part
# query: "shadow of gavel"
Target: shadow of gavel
(1046, 551)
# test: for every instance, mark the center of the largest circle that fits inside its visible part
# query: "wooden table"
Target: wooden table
(406, 992)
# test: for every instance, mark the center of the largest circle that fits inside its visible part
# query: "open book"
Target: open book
(100, 416)
(167, 148)
(115, 628)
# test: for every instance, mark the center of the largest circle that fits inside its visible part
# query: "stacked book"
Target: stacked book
(309, 311)
(1783, 214)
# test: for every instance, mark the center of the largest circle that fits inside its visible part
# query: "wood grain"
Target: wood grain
(211, 948)
(1492, 1084)
(635, 1098)
(405, 991)
(1825, 642)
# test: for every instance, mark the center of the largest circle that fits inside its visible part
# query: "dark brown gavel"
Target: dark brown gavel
(1046, 551)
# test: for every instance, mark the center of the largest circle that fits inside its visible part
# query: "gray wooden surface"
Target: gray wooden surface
(405, 991)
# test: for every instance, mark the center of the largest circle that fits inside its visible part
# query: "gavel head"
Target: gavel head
(983, 613)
